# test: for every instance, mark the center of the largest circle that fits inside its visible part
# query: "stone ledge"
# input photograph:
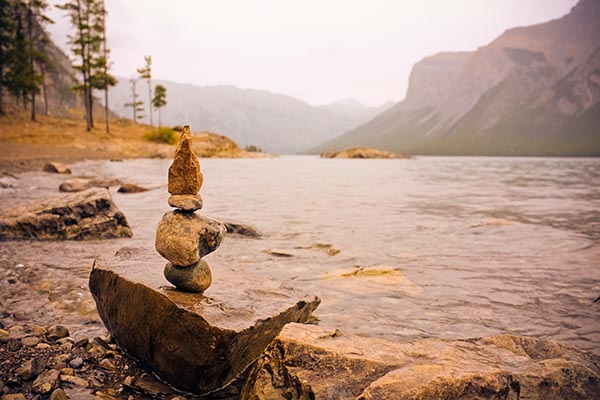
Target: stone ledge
(196, 342)
(312, 362)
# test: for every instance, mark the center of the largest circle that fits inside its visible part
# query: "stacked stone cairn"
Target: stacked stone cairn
(184, 237)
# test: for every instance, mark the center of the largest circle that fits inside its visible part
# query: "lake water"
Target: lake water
(449, 247)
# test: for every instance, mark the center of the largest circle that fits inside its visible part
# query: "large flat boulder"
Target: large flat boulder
(312, 362)
(90, 214)
(196, 342)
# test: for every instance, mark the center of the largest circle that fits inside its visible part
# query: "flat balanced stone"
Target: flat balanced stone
(194, 278)
(312, 362)
(90, 214)
(183, 238)
(186, 202)
(184, 174)
(196, 342)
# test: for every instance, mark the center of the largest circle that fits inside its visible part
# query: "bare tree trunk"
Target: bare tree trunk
(150, 100)
(44, 88)
(105, 53)
(1, 84)
(31, 61)
(159, 123)
(84, 69)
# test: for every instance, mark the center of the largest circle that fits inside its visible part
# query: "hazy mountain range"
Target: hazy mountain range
(533, 91)
(274, 122)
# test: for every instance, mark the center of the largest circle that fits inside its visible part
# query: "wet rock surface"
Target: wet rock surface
(56, 168)
(84, 215)
(196, 342)
(81, 184)
(234, 228)
(311, 362)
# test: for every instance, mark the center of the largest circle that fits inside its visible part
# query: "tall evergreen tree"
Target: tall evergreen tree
(37, 40)
(88, 17)
(6, 36)
(21, 79)
(146, 73)
(159, 100)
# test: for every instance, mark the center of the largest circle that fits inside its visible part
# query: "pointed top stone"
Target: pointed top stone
(184, 174)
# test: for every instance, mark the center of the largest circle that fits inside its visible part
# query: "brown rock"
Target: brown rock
(183, 238)
(234, 228)
(195, 278)
(29, 369)
(131, 188)
(56, 332)
(81, 184)
(184, 174)
(77, 216)
(46, 382)
(14, 396)
(56, 168)
(59, 394)
(307, 361)
(196, 343)
(186, 202)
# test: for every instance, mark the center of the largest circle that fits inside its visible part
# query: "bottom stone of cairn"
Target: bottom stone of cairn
(194, 278)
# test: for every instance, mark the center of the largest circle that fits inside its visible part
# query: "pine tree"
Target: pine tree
(159, 100)
(146, 73)
(21, 79)
(37, 41)
(89, 47)
(6, 36)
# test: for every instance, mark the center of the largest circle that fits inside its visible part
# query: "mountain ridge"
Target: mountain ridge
(524, 93)
(275, 122)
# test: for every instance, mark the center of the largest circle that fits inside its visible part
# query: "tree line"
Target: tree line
(24, 57)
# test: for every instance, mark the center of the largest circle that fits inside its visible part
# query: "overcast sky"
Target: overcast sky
(320, 51)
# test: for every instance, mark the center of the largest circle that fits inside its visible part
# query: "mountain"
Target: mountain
(274, 122)
(354, 109)
(533, 91)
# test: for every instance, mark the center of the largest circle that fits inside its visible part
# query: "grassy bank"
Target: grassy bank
(27, 145)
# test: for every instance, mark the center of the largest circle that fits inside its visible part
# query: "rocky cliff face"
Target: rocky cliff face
(532, 91)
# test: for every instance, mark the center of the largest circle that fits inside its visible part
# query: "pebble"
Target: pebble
(46, 382)
(30, 341)
(42, 346)
(75, 380)
(76, 363)
(59, 394)
(56, 332)
(15, 396)
(106, 363)
(15, 330)
(67, 371)
(67, 346)
(28, 370)
(3, 332)
(39, 330)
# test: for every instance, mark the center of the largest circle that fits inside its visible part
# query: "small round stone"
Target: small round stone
(194, 278)
(186, 202)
